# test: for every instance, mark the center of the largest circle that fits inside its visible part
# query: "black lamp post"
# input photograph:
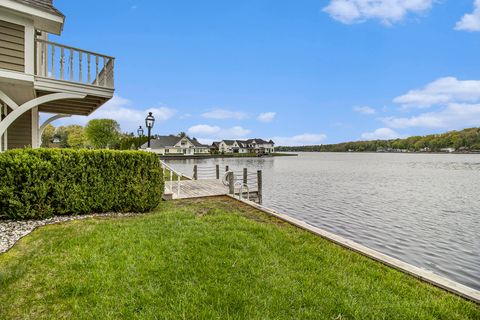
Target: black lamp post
(140, 135)
(149, 121)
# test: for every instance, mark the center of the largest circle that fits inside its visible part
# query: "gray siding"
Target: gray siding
(12, 46)
(20, 132)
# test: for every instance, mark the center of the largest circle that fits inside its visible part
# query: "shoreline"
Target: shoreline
(224, 156)
(399, 265)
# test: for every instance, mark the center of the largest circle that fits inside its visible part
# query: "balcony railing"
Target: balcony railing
(61, 62)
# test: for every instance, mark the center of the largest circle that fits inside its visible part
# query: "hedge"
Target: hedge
(39, 183)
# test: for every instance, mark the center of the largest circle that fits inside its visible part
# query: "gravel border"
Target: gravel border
(11, 230)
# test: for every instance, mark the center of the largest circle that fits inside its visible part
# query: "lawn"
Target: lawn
(205, 259)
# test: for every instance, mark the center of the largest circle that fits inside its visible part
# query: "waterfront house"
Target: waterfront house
(176, 145)
(40, 76)
(232, 146)
(258, 146)
(448, 150)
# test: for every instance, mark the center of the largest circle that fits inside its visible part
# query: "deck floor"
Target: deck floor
(200, 188)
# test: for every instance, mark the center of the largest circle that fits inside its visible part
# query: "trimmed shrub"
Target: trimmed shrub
(39, 183)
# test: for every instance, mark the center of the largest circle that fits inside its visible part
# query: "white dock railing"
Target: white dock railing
(60, 62)
(169, 184)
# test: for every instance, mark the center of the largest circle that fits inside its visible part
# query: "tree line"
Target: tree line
(465, 140)
(97, 134)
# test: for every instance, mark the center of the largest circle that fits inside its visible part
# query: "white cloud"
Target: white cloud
(222, 114)
(300, 140)
(381, 134)
(387, 11)
(470, 22)
(364, 110)
(440, 92)
(454, 116)
(120, 109)
(207, 132)
(235, 132)
(204, 130)
(266, 116)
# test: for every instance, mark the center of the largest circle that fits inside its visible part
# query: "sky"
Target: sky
(298, 72)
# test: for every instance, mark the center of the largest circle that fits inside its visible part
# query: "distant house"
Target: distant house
(258, 146)
(215, 147)
(448, 150)
(175, 145)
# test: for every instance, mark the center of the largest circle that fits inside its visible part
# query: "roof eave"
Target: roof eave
(43, 20)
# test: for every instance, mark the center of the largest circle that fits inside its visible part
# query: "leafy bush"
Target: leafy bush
(44, 182)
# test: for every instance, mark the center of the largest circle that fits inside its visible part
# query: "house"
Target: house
(448, 150)
(258, 146)
(40, 76)
(232, 146)
(176, 145)
(215, 147)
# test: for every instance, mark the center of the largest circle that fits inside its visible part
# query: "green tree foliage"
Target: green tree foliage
(103, 133)
(47, 136)
(128, 141)
(39, 183)
(464, 140)
(76, 137)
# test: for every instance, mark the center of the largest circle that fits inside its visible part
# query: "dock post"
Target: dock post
(217, 171)
(226, 168)
(195, 172)
(231, 184)
(245, 172)
(259, 185)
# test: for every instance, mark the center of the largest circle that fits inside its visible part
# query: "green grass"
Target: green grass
(205, 259)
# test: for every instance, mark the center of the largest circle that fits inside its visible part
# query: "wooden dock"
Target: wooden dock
(207, 182)
(204, 188)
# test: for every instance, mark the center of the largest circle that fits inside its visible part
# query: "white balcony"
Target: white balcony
(61, 68)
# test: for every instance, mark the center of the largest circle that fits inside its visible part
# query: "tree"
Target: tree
(47, 136)
(182, 134)
(103, 133)
(76, 137)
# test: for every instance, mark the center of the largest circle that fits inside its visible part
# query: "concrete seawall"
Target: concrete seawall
(422, 274)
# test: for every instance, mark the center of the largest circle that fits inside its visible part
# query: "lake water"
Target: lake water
(423, 209)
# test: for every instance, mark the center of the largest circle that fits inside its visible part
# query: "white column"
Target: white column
(29, 49)
(35, 119)
(4, 138)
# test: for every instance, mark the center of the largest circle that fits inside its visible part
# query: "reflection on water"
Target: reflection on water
(423, 209)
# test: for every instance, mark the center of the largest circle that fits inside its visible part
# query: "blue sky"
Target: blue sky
(300, 72)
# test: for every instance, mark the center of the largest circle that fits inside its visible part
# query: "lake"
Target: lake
(423, 209)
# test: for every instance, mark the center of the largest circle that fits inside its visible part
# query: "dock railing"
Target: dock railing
(172, 175)
(239, 182)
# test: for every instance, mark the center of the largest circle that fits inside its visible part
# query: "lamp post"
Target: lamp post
(149, 121)
(140, 135)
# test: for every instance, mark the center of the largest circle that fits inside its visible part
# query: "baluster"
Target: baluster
(88, 71)
(53, 61)
(44, 60)
(112, 74)
(104, 71)
(80, 69)
(71, 65)
(62, 63)
(96, 70)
